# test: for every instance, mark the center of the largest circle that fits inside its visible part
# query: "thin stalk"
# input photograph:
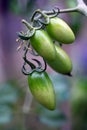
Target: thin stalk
(56, 10)
(62, 11)
(27, 24)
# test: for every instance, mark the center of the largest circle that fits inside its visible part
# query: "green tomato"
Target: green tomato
(42, 89)
(43, 44)
(62, 63)
(60, 31)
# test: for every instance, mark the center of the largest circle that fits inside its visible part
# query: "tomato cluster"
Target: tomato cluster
(41, 35)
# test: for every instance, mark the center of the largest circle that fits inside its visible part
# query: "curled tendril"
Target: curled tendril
(43, 15)
(39, 68)
(56, 11)
(34, 15)
(33, 67)
(45, 65)
(37, 25)
(39, 63)
(43, 22)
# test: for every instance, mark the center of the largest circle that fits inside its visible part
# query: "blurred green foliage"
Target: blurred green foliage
(75, 18)
(10, 100)
(54, 119)
(79, 104)
(22, 7)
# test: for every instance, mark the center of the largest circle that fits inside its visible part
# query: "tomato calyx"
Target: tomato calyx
(30, 32)
(26, 36)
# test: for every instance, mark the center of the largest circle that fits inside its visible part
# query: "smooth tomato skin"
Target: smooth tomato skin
(62, 63)
(43, 44)
(42, 89)
(60, 31)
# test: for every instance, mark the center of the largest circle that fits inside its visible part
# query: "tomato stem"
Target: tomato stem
(80, 8)
(27, 24)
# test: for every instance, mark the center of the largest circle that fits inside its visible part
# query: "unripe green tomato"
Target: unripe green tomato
(60, 31)
(42, 89)
(43, 44)
(62, 63)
